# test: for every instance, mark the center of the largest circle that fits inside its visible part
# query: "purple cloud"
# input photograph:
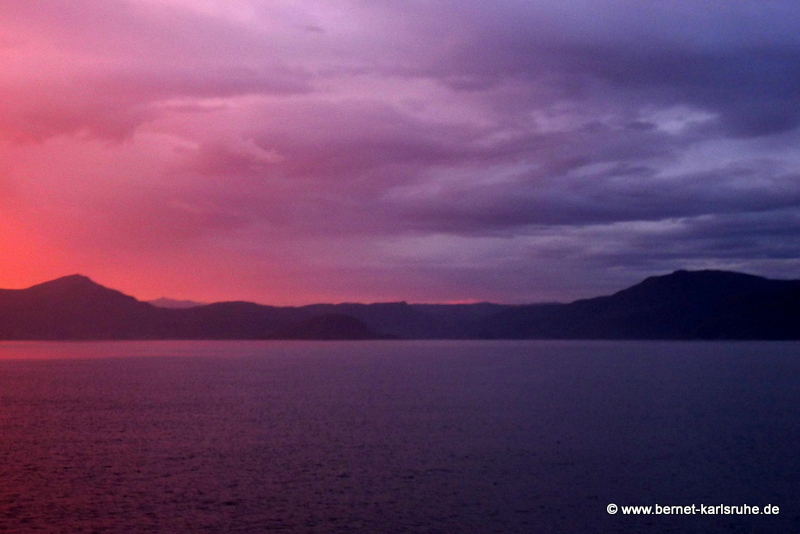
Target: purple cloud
(433, 151)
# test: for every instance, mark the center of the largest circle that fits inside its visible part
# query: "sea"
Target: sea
(456, 437)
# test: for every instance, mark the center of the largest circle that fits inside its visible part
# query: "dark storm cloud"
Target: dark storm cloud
(756, 91)
(764, 242)
(619, 193)
(742, 60)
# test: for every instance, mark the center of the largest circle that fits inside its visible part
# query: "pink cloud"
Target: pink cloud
(293, 151)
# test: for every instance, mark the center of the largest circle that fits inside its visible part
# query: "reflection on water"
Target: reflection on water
(390, 436)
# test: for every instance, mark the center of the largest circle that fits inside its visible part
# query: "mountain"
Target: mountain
(164, 302)
(328, 327)
(74, 307)
(414, 321)
(682, 305)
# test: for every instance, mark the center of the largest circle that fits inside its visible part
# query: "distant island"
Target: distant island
(684, 305)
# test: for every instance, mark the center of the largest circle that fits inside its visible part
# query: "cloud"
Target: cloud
(513, 151)
(104, 69)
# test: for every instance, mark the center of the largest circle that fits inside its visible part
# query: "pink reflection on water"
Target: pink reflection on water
(90, 350)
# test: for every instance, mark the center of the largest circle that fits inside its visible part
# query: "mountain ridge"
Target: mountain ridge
(705, 304)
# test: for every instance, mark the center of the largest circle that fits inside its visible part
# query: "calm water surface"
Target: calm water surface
(394, 436)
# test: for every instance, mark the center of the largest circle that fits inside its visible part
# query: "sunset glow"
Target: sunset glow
(292, 152)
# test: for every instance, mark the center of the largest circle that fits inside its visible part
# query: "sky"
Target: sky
(289, 152)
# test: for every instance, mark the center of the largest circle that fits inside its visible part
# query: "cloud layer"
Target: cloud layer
(290, 152)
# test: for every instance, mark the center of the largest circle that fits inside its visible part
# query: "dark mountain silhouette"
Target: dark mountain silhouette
(231, 320)
(164, 302)
(328, 327)
(682, 305)
(410, 321)
(75, 307)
